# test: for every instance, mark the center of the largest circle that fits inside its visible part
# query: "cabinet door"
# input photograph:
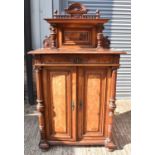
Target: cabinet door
(60, 102)
(91, 102)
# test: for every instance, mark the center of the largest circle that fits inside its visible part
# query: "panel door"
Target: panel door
(91, 102)
(60, 102)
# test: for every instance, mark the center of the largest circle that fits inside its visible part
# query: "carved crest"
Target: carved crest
(76, 8)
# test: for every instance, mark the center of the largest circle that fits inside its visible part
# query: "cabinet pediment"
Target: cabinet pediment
(76, 8)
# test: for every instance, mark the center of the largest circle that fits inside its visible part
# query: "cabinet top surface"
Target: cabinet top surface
(76, 20)
(75, 51)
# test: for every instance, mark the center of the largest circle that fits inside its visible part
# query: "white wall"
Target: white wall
(40, 9)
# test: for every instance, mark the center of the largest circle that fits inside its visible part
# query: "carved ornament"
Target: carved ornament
(76, 8)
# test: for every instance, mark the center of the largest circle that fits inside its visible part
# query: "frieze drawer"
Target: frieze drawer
(80, 59)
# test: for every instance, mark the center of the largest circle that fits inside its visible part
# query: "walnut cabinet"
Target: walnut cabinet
(76, 81)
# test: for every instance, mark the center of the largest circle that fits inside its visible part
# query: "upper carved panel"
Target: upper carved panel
(76, 29)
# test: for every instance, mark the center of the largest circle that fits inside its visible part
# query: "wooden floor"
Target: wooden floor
(121, 136)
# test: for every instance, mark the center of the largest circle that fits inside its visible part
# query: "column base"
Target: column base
(110, 145)
(44, 146)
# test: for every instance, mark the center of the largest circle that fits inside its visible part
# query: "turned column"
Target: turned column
(53, 36)
(111, 108)
(99, 40)
(97, 14)
(40, 108)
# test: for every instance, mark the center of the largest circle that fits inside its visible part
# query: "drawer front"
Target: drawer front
(80, 59)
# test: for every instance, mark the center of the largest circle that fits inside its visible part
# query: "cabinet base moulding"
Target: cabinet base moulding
(46, 145)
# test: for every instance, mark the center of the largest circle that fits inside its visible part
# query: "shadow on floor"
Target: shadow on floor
(122, 129)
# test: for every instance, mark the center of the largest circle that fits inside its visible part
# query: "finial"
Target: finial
(97, 13)
(55, 12)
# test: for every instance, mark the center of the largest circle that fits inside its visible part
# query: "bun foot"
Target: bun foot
(44, 146)
(111, 146)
